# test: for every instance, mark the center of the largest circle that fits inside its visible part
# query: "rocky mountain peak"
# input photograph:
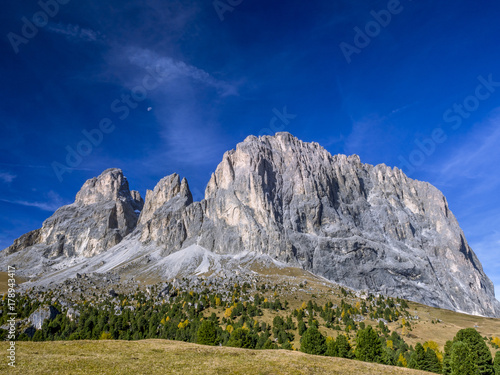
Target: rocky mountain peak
(110, 185)
(104, 212)
(166, 190)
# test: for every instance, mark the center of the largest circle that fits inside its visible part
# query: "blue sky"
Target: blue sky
(167, 86)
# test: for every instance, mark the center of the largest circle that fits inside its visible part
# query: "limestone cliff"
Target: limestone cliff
(363, 226)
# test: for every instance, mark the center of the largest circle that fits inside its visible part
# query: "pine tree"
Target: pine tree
(368, 346)
(302, 327)
(477, 345)
(417, 358)
(331, 347)
(496, 363)
(207, 333)
(447, 358)
(434, 346)
(313, 342)
(241, 338)
(344, 348)
(463, 359)
(388, 356)
(431, 362)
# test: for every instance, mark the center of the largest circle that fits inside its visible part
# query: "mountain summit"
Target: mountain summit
(363, 226)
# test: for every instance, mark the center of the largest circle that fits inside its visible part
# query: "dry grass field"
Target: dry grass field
(3, 281)
(174, 357)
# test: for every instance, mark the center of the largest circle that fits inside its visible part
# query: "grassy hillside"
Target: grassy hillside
(434, 324)
(139, 312)
(174, 357)
(4, 277)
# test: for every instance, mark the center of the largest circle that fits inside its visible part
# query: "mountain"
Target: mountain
(104, 212)
(276, 200)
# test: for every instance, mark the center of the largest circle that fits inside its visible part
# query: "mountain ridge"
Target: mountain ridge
(367, 227)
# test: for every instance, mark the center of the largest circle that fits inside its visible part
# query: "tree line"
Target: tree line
(192, 317)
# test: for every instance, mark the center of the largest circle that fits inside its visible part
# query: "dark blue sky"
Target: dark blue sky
(168, 86)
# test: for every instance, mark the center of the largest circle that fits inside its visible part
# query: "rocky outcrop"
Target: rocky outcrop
(42, 314)
(26, 240)
(170, 189)
(103, 213)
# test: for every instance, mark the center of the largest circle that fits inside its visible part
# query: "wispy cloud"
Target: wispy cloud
(402, 109)
(53, 202)
(75, 32)
(476, 159)
(172, 69)
(487, 250)
(183, 105)
(191, 139)
(7, 177)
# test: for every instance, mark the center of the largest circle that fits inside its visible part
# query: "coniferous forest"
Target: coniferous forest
(238, 319)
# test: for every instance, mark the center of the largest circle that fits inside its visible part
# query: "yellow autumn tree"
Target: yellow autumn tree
(304, 305)
(229, 328)
(390, 344)
(496, 340)
(434, 346)
(217, 301)
(106, 336)
(404, 331)
(228, 312)
(402, 360)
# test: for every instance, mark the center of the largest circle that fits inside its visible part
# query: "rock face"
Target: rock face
(170, 189)
(103, 213)
(366, 227)
(42, 314)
